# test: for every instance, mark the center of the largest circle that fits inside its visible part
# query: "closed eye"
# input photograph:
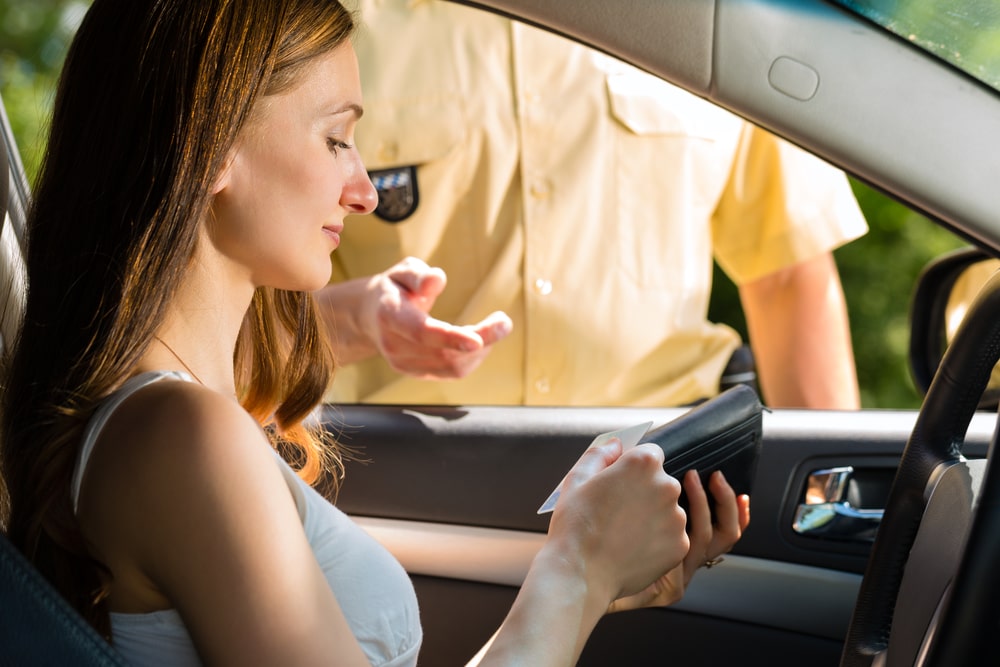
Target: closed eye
(336, 145)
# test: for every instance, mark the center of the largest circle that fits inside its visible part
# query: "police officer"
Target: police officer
(575, 204)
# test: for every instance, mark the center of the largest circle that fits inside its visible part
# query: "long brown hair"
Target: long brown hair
(152, 97)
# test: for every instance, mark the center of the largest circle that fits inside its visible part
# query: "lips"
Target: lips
(333, 232)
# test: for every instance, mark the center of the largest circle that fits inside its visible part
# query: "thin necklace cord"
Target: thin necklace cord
(178, 357)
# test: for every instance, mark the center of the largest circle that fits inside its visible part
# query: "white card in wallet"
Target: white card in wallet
(629, 437)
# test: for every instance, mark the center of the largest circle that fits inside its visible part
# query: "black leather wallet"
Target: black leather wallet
(723, 433)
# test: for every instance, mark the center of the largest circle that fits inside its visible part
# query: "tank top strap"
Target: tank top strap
(104, 412)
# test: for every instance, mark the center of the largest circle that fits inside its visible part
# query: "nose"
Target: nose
(359, 195)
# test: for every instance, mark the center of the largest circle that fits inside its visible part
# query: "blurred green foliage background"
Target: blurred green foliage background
(33, 39)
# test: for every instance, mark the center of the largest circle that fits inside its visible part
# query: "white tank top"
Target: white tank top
(370, 585)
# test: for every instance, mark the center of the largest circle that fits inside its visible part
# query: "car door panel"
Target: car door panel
(453, 493)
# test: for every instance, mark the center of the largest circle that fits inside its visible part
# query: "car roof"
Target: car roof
(871, 102)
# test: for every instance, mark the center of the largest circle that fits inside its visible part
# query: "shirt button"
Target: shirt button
(542, 385)
(543, 286)
(540, 189)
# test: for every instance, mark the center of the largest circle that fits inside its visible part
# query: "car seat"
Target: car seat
(37, 626)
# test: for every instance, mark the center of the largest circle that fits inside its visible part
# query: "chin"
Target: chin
(317, 281)
(301, 282)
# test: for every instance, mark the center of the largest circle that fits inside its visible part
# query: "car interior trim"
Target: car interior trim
(745, 589)
(958, 111)
(629, 29)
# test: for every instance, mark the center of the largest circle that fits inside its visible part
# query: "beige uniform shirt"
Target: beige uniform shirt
(579, 194)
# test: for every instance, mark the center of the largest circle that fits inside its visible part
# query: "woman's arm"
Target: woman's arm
(563, 597)
(184, 500)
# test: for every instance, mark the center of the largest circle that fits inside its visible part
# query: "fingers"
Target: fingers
(700, 530)
(725, 498)
(494, 327)
(732, 515)
(699, 513)
(593, 461)
(743, 505)
(412, 341)
(711, 540)
(469, 338)
(650, 449)
(620, 513)
(417, 278)
(434, 334)
(419, 286)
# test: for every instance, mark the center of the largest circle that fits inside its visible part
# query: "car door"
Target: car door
(452, 492)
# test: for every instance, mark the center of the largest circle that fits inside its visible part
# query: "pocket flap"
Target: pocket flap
(406, 132)
(648, 105)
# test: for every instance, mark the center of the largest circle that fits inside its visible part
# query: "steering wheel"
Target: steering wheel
(931, 591)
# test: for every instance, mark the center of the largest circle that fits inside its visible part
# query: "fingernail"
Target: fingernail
(612, 442)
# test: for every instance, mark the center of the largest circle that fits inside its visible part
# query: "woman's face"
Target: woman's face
(293, 176)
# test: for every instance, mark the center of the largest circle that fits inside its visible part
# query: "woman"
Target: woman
(198, 174)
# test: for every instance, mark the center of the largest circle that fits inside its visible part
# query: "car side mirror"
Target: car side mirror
(945, 290)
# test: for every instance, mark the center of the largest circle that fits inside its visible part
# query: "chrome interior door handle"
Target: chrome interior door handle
(827, 513)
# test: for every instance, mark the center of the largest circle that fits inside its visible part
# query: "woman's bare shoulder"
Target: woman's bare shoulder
(175, 464)
(181, 416)
(170, 433)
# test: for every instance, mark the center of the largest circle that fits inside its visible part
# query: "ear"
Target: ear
(225, 175)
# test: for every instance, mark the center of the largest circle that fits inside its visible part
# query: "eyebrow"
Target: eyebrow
(350, 106)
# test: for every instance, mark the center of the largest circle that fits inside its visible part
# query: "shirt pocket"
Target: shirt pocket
(647, 105)
(673, 153)
(396, 132)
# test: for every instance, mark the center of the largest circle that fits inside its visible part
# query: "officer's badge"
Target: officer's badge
(397, 193)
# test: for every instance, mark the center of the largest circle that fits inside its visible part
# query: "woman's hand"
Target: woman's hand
(618, 517)
(617, 540)
(708, 541)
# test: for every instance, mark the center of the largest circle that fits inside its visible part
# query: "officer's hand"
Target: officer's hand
(411, 341)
